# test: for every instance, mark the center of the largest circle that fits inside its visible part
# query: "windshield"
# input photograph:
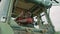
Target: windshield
(3, 9)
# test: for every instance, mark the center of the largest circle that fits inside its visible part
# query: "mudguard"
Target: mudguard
(5, 29)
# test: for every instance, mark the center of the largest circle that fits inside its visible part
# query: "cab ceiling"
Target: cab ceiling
(21, 5)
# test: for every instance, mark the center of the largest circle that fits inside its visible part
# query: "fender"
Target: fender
(6, 29)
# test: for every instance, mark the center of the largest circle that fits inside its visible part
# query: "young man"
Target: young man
(25, 19)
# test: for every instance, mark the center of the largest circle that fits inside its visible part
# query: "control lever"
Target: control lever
(56, 1)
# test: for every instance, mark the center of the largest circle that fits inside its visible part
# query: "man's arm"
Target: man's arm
(28, 20)
(22, 21)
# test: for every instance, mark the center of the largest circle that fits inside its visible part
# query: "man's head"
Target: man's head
(27, 14)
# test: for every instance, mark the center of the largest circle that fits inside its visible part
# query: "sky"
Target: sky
(54, 14)
(55, 17)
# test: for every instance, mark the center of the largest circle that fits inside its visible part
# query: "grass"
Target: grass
(57, 33)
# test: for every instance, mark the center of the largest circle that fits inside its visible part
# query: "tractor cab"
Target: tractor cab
(38, 12)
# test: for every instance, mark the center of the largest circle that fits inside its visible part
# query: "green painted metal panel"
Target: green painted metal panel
(5, 28)
(13, 23)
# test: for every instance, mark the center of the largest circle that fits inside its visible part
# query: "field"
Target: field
(57, 33)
